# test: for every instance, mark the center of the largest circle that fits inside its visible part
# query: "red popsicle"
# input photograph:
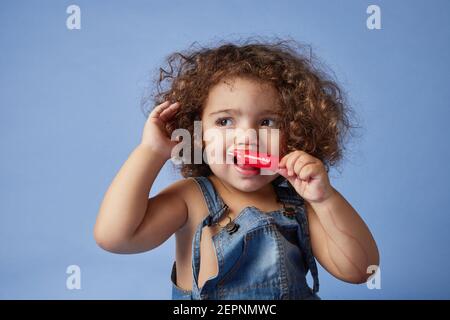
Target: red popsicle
(256, 159)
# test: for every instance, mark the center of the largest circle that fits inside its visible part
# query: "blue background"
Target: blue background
(70, 116)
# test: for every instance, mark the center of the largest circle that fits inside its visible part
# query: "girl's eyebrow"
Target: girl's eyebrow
(225, 111)
(237, 111)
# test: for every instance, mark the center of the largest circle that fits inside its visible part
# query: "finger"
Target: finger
(283, 172)
(291, 161)
(168, 113)
(307, 172)
(159, 109)
(282, 163)
(301, 162)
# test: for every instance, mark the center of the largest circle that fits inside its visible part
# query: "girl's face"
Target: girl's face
(240, 114)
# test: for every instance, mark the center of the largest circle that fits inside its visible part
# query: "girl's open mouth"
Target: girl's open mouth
(245, 169)
(249, 163)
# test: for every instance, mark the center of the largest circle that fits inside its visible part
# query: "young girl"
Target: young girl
(241, 234)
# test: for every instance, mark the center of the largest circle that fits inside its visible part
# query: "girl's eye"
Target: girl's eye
(223, 122)
(268, 122)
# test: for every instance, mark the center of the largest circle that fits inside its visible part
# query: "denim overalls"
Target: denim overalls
(268, 257)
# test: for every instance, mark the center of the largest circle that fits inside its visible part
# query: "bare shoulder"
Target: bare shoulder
(179, 188)
(175, 198)
(189, 190)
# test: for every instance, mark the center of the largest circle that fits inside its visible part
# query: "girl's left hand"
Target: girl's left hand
(307, 175)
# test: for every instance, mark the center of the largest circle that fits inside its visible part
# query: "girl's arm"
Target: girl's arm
(341, 241)
(129, 222)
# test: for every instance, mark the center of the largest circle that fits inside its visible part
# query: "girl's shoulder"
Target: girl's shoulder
(190, 190)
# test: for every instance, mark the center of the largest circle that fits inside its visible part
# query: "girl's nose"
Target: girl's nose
(246, 143)
(246, 136)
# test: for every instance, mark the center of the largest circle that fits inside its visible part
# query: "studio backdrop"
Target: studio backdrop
(72, 78)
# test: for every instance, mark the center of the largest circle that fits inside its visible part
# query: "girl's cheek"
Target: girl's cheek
(229, 140)
(216, 144)
(272, 141)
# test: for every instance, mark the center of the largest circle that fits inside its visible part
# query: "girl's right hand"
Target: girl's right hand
(155, 134)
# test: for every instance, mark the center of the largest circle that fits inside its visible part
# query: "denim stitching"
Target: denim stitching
(281, 266)
(223, 291)
(247, 237)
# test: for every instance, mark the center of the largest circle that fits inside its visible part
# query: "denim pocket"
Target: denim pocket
(256, 272)
(177, 292)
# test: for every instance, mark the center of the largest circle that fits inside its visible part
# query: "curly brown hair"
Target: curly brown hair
(314, 115)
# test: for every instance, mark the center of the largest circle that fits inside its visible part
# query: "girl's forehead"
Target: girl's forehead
(237, 85)
(241, 95)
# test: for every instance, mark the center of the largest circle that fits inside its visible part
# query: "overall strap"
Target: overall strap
(216, 207)
(213, 200)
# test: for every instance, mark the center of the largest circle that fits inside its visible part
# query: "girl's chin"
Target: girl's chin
(241, 179)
